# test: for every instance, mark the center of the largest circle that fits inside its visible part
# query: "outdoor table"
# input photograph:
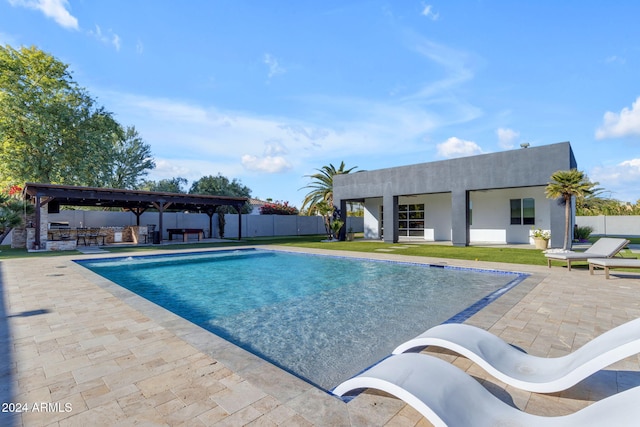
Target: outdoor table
(185, 232)
(60, 234)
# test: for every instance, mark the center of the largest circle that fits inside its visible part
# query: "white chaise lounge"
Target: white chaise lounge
(605, 247)
(527, 372)
(608, 263)
(448, 397)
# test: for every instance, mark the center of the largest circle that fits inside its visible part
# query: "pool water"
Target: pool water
(322, 318)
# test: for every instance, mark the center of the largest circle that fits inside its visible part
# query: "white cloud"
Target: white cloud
(54, 9)
(110, 39)
(252, 143)
(456, 147)
(274, 148)
(621, 179)
(115, 40)
(429, 13)
(615, 59)
(180, 126)
(634, 164)
(457, 67)
(272, 161)
(507, 137)
(273, 66)
(268, 164)
(625, 123)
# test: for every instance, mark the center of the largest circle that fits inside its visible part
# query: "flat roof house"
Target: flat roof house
(489, 198)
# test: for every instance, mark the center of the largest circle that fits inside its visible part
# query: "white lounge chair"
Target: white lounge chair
(447, 396)
(527, 372)
(605, 247)
(608, 263)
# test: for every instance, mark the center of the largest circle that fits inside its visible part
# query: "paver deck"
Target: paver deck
(76, 349)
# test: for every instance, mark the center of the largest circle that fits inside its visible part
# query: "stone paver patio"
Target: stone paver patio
(78, 350)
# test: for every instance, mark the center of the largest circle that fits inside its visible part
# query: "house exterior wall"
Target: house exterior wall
(521, 168)
(491, 215)
(438, 216)
(372, 217)
(437, 212)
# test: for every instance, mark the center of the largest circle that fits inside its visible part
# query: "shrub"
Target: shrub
(582, 233)
(278, 208)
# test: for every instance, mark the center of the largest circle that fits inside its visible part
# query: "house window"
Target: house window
(523, 211)
(528, 211)
(411, 220)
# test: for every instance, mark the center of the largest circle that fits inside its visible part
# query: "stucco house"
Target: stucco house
(489, 198)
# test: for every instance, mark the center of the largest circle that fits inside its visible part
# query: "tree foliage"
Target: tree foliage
(322, 187)
(278, 208)
(130, 160)
(565, 185)
(172, 185)
(221, 186)
(593, 205)
(53, 131)
(12, 211)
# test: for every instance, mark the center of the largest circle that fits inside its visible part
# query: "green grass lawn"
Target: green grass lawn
(633, 240)
(471, 253)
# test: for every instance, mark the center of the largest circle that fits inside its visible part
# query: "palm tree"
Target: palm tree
(322, 187)
(566, 184)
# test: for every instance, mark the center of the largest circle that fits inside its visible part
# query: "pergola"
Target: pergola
(135, 201)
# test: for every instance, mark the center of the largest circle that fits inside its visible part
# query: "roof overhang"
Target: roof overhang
(127, 199)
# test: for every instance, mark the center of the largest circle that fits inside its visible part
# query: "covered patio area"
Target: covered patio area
(47, 198)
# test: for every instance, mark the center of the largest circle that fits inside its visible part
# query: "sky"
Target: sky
(269, 92)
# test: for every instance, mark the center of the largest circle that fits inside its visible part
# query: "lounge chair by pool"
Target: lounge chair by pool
(608, 263)
(447, 396)
(527, 372)
(605, 247)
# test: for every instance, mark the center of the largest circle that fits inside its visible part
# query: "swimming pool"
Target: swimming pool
(322, 318)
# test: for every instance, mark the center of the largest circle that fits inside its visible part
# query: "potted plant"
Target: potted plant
(350, 234)
(541, 238)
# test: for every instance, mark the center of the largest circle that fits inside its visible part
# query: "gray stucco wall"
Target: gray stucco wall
(525, 167)
(617, 225)
(252, 225)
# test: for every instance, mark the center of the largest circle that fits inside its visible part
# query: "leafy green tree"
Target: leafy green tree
(221, 186)
(322, 187)
(567, 184)
(51, 129)
(595, 204)
(130, 161)
(12, 212)
(172, 185)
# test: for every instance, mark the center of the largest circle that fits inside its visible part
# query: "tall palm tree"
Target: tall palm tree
(566, 184)
(322, 187)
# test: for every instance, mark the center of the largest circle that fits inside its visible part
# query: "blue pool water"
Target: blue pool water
(323, 318)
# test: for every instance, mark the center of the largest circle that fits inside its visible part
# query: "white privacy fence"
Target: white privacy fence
(620, 225)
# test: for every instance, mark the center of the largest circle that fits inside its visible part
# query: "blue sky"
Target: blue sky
(267, 92)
